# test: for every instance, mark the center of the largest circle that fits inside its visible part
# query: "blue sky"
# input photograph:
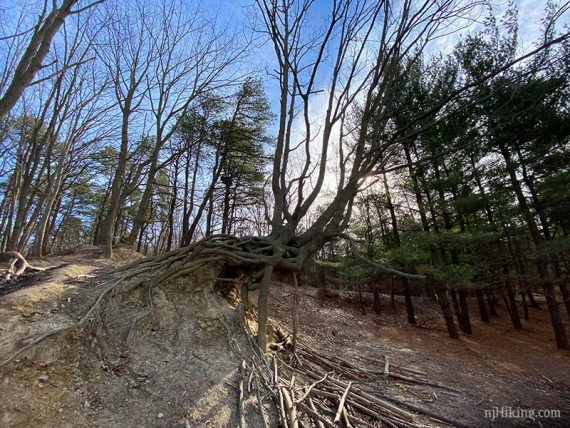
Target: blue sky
(238, 14)
(530, 13)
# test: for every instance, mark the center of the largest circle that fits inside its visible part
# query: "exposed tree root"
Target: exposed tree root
(306, 386)
(259, 257)
(17, 265)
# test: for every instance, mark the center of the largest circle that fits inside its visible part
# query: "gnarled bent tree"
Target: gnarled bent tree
(30, 63)
(353, 68)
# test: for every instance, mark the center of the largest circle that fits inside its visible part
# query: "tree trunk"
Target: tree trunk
(417, 192)
(31, 61)
(482, 308)
(99, 220)
(409, 304)
(53, 193)
(562, 285)
(244, 301)
(456, 308)
(491, 302)
(46, 244)
(446, 310)
(140, 218)
(548, 287)
(172, 207)
(227, 180)
(531, 299)
(107, 229)
(465, 320)
(377, 304)
(525, 307)
(555, 318)
(262, 308)
(514, 312)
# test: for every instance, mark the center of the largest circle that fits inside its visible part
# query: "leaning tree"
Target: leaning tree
(351, 68)
(27, 50)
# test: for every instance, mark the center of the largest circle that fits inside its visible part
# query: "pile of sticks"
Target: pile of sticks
(310, 388)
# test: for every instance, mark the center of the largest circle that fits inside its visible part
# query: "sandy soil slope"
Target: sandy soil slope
(176, 370)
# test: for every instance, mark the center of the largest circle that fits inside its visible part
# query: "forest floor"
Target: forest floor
(497, 367)
(59, 383)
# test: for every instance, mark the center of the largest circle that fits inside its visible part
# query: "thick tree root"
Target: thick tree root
(306, 386)
(254, 255)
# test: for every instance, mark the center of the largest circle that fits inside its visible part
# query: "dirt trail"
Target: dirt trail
(179, 371)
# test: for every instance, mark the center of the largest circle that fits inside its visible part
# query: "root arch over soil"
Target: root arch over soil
(247, 263)
(171, 308)
(251, 260)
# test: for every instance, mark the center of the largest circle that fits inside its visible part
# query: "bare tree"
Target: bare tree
(352, 63)
(193, 57)
(127, 52)
(353, 66)
(68, 119)
(31, 59)
(81, 123)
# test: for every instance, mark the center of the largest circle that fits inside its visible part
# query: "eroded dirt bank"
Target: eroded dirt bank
(178, 370)
(170, 367)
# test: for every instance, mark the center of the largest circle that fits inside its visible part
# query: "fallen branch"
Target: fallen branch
(241, 399)
(341, 405)
(260, 405)
(321, 421)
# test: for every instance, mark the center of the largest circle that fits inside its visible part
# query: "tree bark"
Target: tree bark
(441, 291)
(548, 287)
(491, 302)
(482, 308)
(31, 61)
(409, 304)
(465, 320)
(262, 308)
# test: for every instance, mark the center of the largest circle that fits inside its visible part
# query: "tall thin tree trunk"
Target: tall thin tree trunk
(514, 311)
(262, 307)
(525, 307)
(482, 308)
(446, 310)
(409, 305)
(465, 320)
(548, 286)
(491, 303)
(550, 294)
(532, 300)
(173, 206)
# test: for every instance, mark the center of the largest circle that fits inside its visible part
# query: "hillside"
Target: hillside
(180, 371)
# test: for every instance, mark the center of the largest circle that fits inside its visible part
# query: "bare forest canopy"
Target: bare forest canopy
(331, 139)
